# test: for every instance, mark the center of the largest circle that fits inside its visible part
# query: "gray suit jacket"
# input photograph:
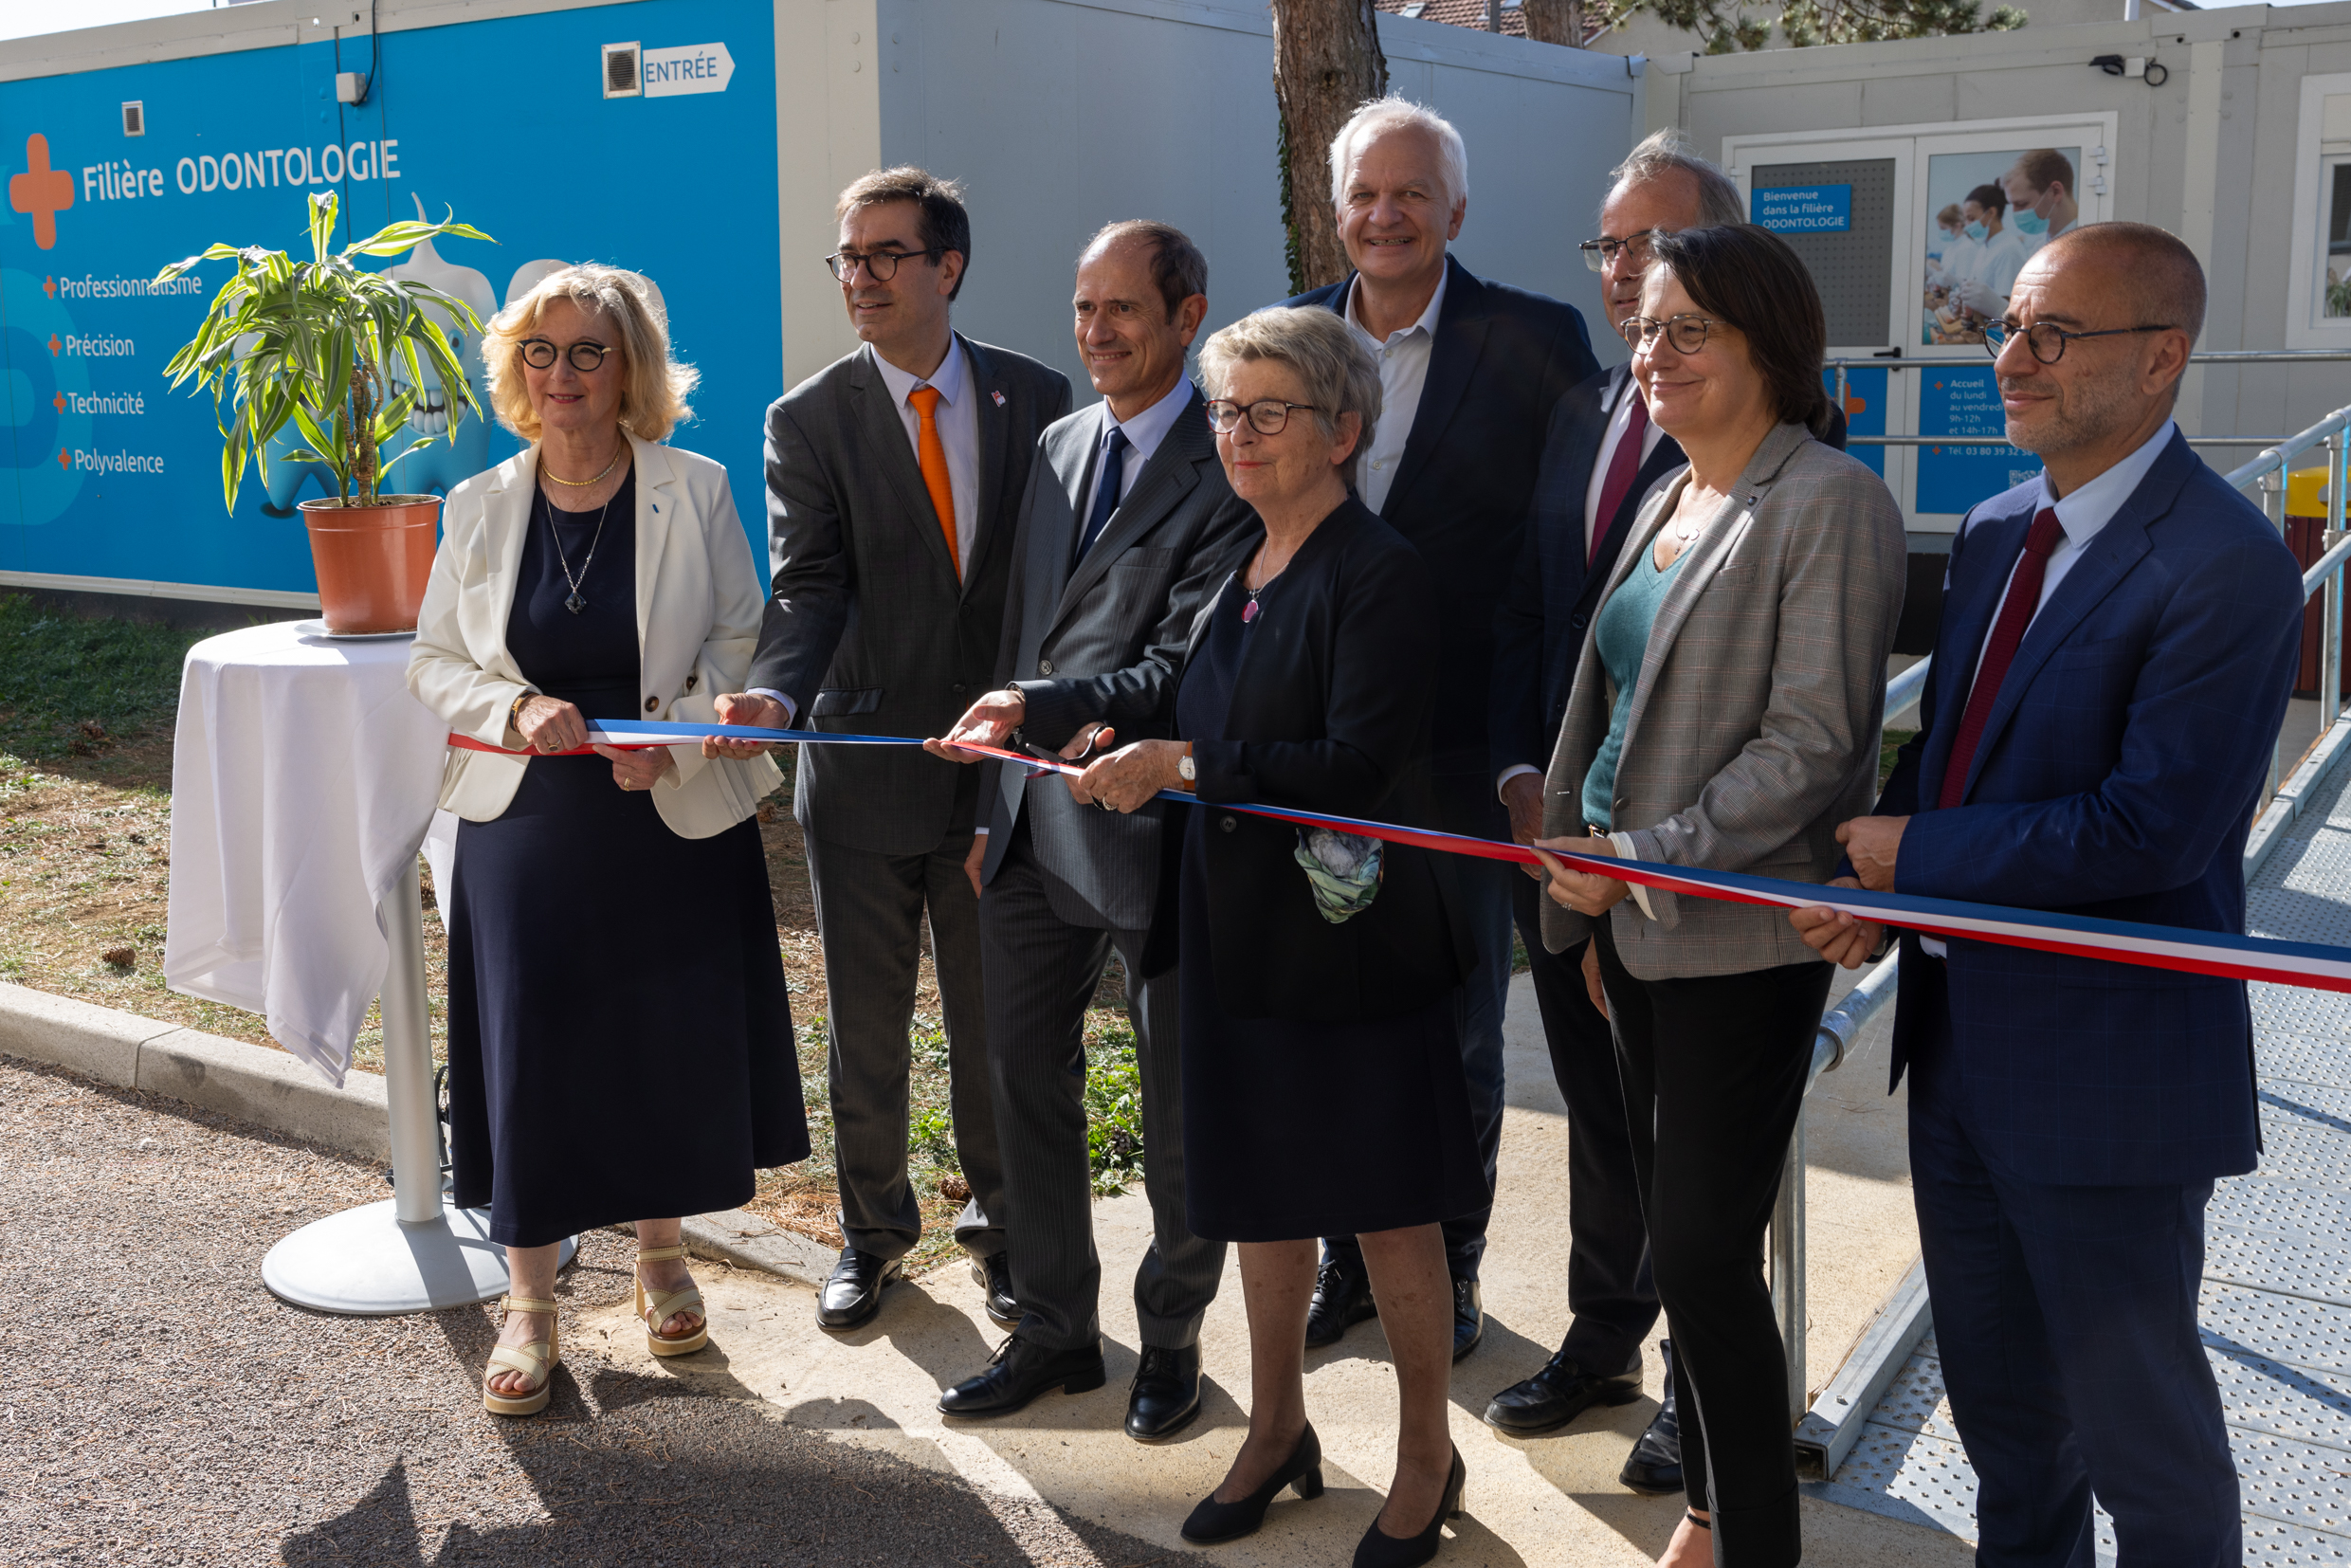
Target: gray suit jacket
(867, 629)
(1754, 726)
(1106, 641)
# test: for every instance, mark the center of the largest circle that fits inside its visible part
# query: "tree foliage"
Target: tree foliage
(1728, 26)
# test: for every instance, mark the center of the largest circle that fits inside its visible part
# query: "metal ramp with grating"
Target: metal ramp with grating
(2276, 1311)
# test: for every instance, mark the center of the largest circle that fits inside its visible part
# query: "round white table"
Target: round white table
(303, 780)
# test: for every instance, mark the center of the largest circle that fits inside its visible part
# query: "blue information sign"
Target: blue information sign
(1805, 208)
(1965, 403)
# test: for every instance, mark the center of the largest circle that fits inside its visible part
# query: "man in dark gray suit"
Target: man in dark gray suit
(894, 478)
(1129, 525)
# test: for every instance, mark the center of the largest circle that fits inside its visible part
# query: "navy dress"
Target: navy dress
(1296, 1128)
(620, 1037)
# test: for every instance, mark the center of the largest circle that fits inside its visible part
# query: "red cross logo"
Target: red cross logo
(54, 345)
(60, 401)
(41, 190)
(64, 458)
(48, 286)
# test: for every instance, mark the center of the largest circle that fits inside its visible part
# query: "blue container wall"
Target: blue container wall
(112, 475)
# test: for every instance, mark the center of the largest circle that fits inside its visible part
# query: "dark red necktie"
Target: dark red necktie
(1622, 468)
(2024, 597)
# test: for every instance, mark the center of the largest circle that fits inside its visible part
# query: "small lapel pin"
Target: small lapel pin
(999, 397)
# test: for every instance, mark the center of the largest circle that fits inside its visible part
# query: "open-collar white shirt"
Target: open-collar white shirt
(1403, 356)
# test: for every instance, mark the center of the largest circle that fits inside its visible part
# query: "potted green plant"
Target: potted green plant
(309, 344)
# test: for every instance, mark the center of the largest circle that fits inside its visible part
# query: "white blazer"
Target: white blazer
(698, 622)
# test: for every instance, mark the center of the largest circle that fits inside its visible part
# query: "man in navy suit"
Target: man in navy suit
(2118, 640)
(1468, 372)
(1600, 461)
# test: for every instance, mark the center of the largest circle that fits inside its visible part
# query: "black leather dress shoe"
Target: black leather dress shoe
(1018, 1372)
(1342, 1298)
(1654, 1466)
(993, 1275)
(1469, 1318)
(1564, 1389)
(1166, 1397)
(853, 1294)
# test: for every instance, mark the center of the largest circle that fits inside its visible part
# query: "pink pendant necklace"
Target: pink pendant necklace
(1248, 610)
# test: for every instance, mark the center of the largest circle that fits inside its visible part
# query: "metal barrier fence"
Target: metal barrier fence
(1841, 1027)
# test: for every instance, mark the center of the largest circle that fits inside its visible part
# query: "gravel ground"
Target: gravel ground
(158, 1406)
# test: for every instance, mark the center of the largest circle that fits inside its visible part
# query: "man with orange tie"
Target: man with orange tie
(894, 481)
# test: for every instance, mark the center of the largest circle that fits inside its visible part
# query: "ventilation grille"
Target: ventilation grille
(620, 71)
(134, 119)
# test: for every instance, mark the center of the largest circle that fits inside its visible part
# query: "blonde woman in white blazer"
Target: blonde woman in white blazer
(603, 1066)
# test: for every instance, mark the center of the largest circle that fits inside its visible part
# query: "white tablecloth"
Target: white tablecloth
(302, 781)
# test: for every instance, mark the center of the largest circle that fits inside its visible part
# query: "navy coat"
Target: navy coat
(2117, 778)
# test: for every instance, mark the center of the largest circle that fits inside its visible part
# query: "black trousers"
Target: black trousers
(1714, 1072)
(1042, 952)
(1610, 1293)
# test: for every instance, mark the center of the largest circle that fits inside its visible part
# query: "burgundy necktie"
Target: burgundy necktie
(2024, 597)
(1622, 468)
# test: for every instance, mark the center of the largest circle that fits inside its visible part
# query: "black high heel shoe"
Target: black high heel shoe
(1212, 1523)
(1378, 1549)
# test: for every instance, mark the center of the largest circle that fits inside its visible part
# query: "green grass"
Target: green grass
(1888, 743)
(59, 673)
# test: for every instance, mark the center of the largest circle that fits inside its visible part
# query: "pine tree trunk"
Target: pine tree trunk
(1556, 22)
(1326, 63)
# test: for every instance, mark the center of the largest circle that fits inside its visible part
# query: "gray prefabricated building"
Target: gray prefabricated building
(2229, 127)
(716, 176)
(1062, 115)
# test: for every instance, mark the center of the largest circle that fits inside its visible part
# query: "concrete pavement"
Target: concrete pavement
(1549, 1501)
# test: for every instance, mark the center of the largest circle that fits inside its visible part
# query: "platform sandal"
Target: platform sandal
(657, 1310)
(537, 1359)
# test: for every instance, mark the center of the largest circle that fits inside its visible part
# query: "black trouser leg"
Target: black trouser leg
(1720, 1063)
(1610, 1294)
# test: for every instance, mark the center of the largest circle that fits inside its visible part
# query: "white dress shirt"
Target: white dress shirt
(2081, 518)
(1403, 370)
(959, 434)
(1620, 421)
(1143, 434)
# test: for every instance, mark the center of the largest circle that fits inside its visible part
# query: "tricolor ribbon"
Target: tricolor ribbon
(2311, 965)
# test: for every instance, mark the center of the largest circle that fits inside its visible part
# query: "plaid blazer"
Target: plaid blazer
(1753, 725)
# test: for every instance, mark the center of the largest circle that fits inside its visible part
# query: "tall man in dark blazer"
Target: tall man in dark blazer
(1128, 527)
(894, 478)
(1469, 372)
(1600, 462)
(2119, 636)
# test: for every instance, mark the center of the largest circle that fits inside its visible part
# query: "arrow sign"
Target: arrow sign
(687, 69)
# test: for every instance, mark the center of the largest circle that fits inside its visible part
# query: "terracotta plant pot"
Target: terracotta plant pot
(373, 561)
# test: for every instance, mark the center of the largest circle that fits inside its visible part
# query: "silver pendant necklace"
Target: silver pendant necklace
(577, 601)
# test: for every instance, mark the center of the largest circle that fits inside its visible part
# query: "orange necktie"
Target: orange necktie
(932, 453)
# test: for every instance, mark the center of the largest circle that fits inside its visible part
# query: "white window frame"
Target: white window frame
(2305, 327)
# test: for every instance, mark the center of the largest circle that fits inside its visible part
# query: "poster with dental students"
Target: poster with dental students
(1987, 213)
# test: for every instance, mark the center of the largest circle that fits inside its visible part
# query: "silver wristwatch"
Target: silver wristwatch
(1185, 770)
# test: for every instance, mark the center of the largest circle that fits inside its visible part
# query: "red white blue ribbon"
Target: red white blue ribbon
(2311, 965)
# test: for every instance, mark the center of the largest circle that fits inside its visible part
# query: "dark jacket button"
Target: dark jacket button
(689, 681)
(1576, 623)
(1227, 824)
(651, 704)
(956, 689)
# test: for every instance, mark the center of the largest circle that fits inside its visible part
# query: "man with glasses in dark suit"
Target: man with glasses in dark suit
(893, 479)
(1599, 460)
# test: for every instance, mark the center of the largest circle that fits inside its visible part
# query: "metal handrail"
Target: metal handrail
(1841, 1027)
